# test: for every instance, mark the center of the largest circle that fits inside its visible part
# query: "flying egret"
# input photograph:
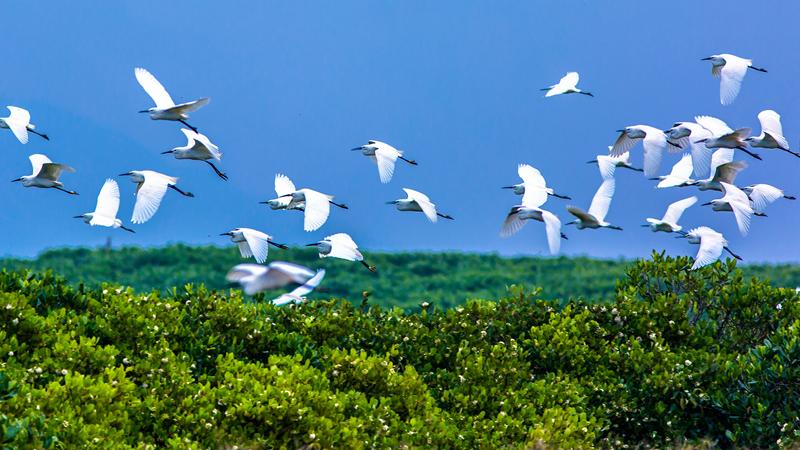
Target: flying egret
(254, 278)
(711, 244)
(771, 133)
(734, 200)
(679, 176)
(683, 135)
(608, 164)
(150, 189)
(595, 217)
(520, 214)
(198, 148)
(165, 108)
(19, 122)
(45, 174)
(418, 202)
(284, 188)
(252, 243)
(106, 208)
(568, 84)
(762, 195)
(669, 223)
(299, 293)
(722, 136)
(653, 140)
(342, 246)
(730, 69)
(533, 186)
(385, 156)
(315, 205)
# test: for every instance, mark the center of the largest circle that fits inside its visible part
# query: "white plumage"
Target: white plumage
(419, 202)
(654, 143)
(730, 69)
(384, 156)
(254, 278)
(299, 293)
(151, 187)
(568, 84)
(669, 223)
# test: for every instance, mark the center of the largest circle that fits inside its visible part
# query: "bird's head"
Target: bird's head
(148, 110)
(227, 233)
(126, 174)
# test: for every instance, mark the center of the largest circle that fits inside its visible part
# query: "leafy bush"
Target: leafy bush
(672, 357)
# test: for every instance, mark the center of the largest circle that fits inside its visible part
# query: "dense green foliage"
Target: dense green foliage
(673, 356)
(403, 279)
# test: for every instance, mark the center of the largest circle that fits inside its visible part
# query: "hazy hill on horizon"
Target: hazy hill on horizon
(403, 279)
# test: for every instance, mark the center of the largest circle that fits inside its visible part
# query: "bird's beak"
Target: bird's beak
(124, 174)
(706, 204)
(654, 179)
(285, 195)
(145, 111)
(667, 131)
(705, 59)
(168, 151)
(356, 148)
(264, 203)
(77, 217)
(620, 131)
(591, 162)
(644, 225)
(701, 140)
(311, 245)
(18, 179)
(391, 202)
(226, 234)
(507, 187)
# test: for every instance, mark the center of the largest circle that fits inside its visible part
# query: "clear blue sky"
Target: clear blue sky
(294, 85)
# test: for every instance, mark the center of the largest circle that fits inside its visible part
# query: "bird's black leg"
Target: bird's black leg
(187, 124)
(44, 136)
(219, 174)
(410, 161)
(733, 254)
(372, 269)
(64, 190)
(340, 205)
(187, 194)
(444, 216)
(754, 155)
(126, 228)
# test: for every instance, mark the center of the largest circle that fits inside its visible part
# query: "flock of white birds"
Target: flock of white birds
(708, 146)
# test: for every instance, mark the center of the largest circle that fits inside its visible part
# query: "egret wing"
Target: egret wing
(258, 243)
(188, 107)
(676, 209)
(602, 199)
(108, 199)
(580, 214)
(425, 204)
(18, 122)
(385, 158)
(148, 198)
(283, 185)
(318, 208)
(153, 88)
(531, 176)
(608, 165)
(711, 246)
(655, 143)
(727, 172)
(343, 246)
(731, 76)
(764, 194)
(714, 125)
(297, 273)
(771, 124)
(37, 162)
(740, 204)
(552, 227)
(512, 224)
(622, 144)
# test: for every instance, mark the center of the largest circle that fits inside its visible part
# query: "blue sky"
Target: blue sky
(294, 85)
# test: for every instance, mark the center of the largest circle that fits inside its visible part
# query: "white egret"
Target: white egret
(683, 135)
(723, 169)
(284, 187)
(520, 214)
(299, 293)
(150, 189)
(595, 217)
(418, 202)
(722, 136)
(385, 156)
(165, 108)
(730, 69)
(342, 246)
(533, 189)
(669, 223)
(771, 133)
(711, 244)
(734, 200)
(654, 143)
(761, 195)
(198, 148)
(568, 84)
(254, 278)
(608, 164)
(315, 205)
(679, 176)
(252, 243)
(45, 174)
(106, 208)
(19, 122)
